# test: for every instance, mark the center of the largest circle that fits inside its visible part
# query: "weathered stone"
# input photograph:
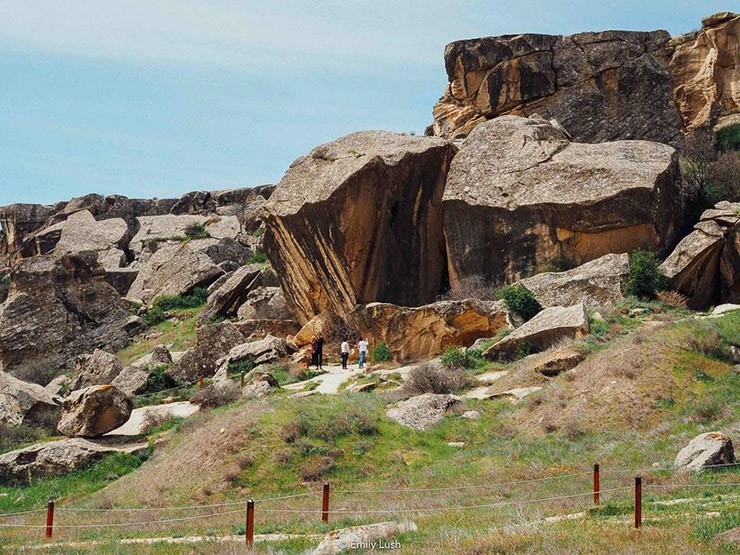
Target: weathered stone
(705, 265)
(56, 309)
(226, 300)
(706, 450)
(547, 328)
(212, 341)
(520, 194)
(257, 329)
(423, 411)
(259, 386)
(94, 411)
(264, 303)
(704, 67)
(516, 394)
(121, 279)
(59, 385)
(594, 283)
(175, 228)
(415, 333)
(263, 351)
(359, 220)
(131, 379)
(27, 403)
(160, 356)
(55, 458)
(81, 232)
(98, 368)
(555, 361)
(601, 86)
(344, 539)
(17, 221)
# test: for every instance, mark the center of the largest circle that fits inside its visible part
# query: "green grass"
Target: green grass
(258, 258)
(177, 331)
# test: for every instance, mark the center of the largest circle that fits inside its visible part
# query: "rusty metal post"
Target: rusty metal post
(325, 503)
(597, 485)
(638, 502)
(242, 378)
(201, 383)
(49, 518)
(250, 524)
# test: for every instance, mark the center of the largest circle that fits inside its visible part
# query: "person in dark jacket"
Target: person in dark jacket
(319, 349)
(314, 358)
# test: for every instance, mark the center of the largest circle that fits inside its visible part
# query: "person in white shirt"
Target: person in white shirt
(345, 353)
(362, 345)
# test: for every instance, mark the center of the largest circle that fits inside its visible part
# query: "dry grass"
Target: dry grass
(432, 378)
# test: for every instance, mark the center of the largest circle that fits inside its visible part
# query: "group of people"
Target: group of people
(317, 351)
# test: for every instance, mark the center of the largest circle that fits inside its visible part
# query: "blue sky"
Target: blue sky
(155, 98)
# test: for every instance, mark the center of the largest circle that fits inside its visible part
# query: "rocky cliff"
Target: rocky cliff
(600, 86)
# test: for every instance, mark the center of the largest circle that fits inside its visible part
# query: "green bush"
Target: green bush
(258, 258)
(728, 138)
(459, 358)
(645, 277)
(158, 380)
(5, 280)
(197, 231)
(520, 300)
(381, 353)
(158, 311)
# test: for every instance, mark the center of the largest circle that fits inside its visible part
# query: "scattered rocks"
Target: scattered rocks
(212, 342)
(556, 360)
(546, 329)
(98, 368)
(81, 232)
(27, 403)
(226, 299)
(94, 411)
(360, 537)
(706, 450)
(423, 411)
(516, 394)
(263, 351)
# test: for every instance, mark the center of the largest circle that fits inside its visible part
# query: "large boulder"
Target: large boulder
(27, 403)
(359, 220)
(519, 195)
(212, 341)
(548, 327)
(233, 292)
(601, 86)
(56, 309)
(132, 379)
(423, 411)
(98, 368)
(263, 351)
(55, 458)
(706, 450)
(704, 66)
(81, 232)
(594, 283)
(415, 333)
(362, 537)
(17, 221)
(705, 265)
(94, 411)
(264, 303)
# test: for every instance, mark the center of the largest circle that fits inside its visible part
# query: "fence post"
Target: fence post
(250, 524)
(201, 383)
(242, 378)
(638, 502)
(597, 485)
(325, 503)
(49, 518)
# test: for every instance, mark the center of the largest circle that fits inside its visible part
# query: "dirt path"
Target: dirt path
(137, 422)
(329, 382)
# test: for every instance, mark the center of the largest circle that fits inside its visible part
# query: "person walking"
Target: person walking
(362, 345)
(314, 357)
(319, 349)
(344, 350)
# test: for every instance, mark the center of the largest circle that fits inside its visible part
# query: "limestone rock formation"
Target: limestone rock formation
(27, 403)
(257, 329)
(555, 361)
(341, 540)
(705, 71)
(423, 411)
(415, 333)
(263, 351)
(54, 458)
(359, 220)
(56, 309)
(227, 299)
(706, 450)
(264, 303)
(212, 341)
(520, 194)
(594, 283)
(81, 232)
(547, 328)
(131, 379)
(98, 368)
(705, 265)
(94, 411)
(17, 221)
(601, 86)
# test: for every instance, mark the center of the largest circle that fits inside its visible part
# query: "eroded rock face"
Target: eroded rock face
(98, 368)
(706, 450)
(416, 333)
(600, 86)
(263, 351)
(81, 232)
(704, 67)
(423, 411)
(594, 283)
(520, 194)
(17, 221)
(94, 411)
(56, 309)
(212, 341)
(359, 220)
(546, 329)
(233, 292)
(705, 265)
(27, 403)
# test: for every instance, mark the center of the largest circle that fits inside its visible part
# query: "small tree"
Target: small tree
(381, 353)
(520, 300)
(645, 277)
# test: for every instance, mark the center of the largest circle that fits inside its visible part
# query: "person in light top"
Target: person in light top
(344, 350)
(362, 345)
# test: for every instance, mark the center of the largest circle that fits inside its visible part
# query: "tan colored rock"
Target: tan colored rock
(98, 368)
(520, 194)
(257, 329)
(131, 379)
(81, 232)
(94, 411)
(27, 403)
(344, 539)
(212, 342)
(416, 333)
(705, 265)
(263, 351)
(174, 228)
(358, 220)
(705, 71)
(706, 450)
(594, 283)
(547, 328)
(555, 361)
(423, 411)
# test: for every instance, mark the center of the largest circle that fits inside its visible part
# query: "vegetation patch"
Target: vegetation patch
(157, 313)
(197, 231)
(520, 301)
(645, 277)
(258, 258)
(381, 353)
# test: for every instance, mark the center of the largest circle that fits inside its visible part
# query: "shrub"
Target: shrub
(197, 231)
(672, 298)
(645, 278)
(429, 378)
(155, 419)
(158, 311)
(710, 345)
(13, 436)
(457, 357)
(158, 380)
(316, 468)
(213, 396)
(520, 300)
(381, 353)
(728, 138)
(258, 258)
(330, 423)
